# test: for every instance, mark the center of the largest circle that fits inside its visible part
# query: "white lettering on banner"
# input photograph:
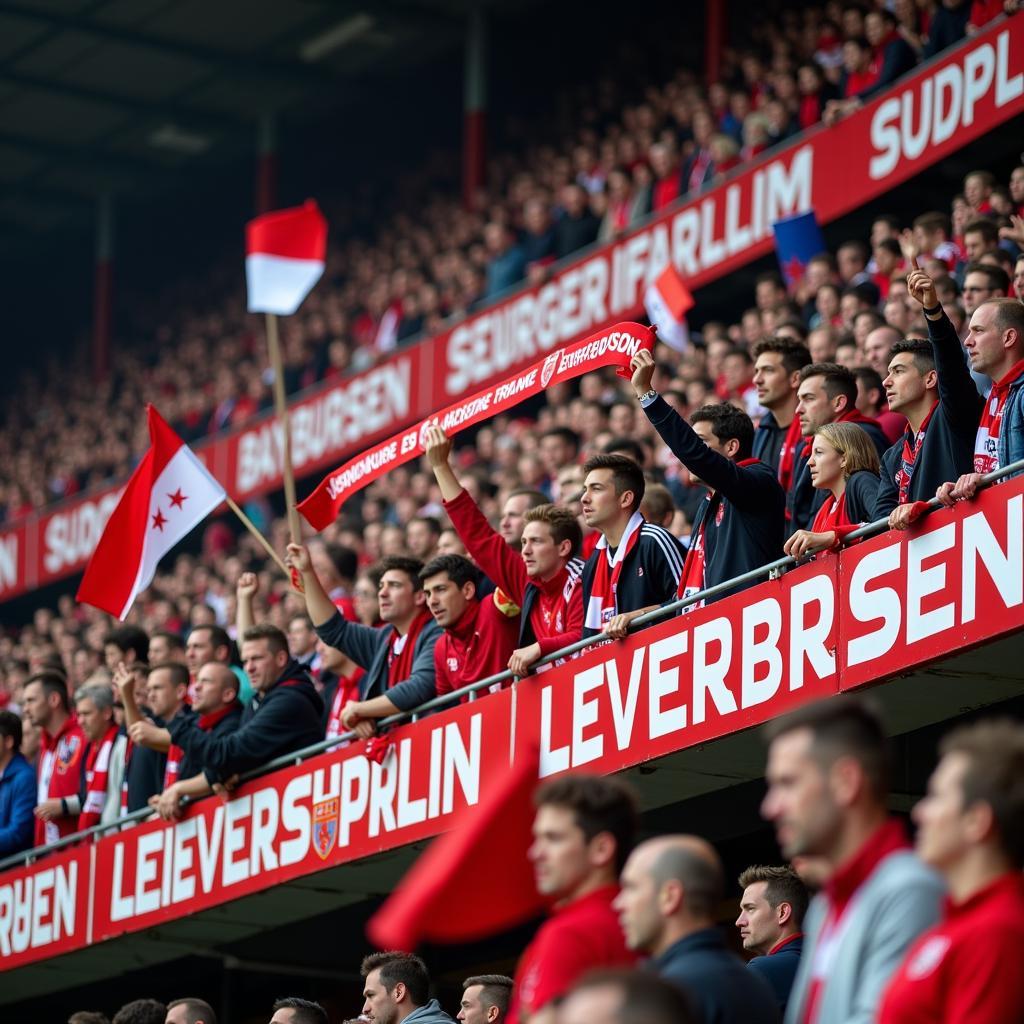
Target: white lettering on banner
(739, 661)
(941, 103)
(71, 537)
(259, 832)
(8, 562)
(329, 423)
(39, 909)
(582, 298)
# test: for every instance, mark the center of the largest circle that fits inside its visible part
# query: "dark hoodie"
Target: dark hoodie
(288, 717)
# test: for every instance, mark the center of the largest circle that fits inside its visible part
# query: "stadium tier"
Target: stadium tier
(647, 576)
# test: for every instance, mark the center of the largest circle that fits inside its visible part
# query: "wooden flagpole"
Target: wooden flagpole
(276, 363)
(252, 528)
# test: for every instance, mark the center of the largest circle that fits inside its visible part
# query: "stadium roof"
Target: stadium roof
(122, 96)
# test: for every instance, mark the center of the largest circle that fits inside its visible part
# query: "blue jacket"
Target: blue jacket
(717, 981)
(779, 969)
(1011, 431)
(17, 802)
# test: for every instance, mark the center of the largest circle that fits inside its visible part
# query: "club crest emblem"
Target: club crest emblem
(548, 369)
(325, 827)
(67, 753)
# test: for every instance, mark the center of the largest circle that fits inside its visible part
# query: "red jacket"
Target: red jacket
(60, 775)
(477, 646)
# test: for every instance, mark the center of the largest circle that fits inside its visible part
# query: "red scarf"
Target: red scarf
(347, 689)
(208, 721)
(691, 580)
(701, 162)
(603, 604)
(172, 766)
(986, 444)
(787, 453)
(909, 459)
(400, 662)
(831, 515)
(97, 768)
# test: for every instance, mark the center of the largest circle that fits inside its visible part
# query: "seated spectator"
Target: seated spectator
(625, 997)
(17, 789)
(485, 999)
(667, 907)
(542, 579)
(396, 987)
(293, 1010)
(285, 715)
(844, 463)
(772, 910)
(741, 522)
(398, 659)
(190, 1011)
(969, 830)
(582, 831)
(478, 636)
(61, 755)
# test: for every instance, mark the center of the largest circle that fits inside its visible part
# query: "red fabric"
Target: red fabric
(477, 646)
(691, 580)
(787, 455)
(400, 664)
(604, 601)
(966, 970)
(347, 690)
(831, 515)
(172, 767)
(909, 458)
(986, 445)
(893, 424)
(701, 162)
(984, 11)
(97, 770)
(809, 112)
(439, 899)
(589, 545)
(299, 233)
(556, 616)
(854, 416)
(784, 942)
(889, 838)
(665, 190)
(857, 82)
(208, 721)
(59, 769)
(578, 937)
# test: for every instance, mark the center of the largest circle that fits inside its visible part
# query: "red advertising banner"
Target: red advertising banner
(963, 94)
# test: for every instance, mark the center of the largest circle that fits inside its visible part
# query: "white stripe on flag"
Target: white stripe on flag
(278, 284)
(671, 330)
(196, 494)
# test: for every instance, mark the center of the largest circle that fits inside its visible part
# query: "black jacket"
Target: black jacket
(717, 981)
(948, 448)
(804, 499)
(779, 968)
(144, 772)
(744, 519)
(768, 438)
(225, 727)
(288, 718)
(650, 572)
(861, 495)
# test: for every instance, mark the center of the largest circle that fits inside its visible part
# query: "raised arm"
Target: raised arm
(320, 607)
(245, 592)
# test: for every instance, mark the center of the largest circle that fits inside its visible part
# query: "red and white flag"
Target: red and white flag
(667, 301)
(285, 253)
(169, 493)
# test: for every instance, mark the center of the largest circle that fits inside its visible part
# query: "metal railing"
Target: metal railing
(770, 570)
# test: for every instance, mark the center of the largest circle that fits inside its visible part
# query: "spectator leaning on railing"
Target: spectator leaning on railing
(99, 798)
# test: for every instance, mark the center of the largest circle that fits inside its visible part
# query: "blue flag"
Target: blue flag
(797, 240)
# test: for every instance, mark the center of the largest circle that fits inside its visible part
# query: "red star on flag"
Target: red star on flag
(178, 499)
(158, 521)
(794, 270)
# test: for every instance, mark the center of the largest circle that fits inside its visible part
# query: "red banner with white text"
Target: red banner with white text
(958, 97)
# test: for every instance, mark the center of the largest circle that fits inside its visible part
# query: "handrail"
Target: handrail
(771, 570)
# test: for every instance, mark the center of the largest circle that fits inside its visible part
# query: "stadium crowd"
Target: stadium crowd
(893, 934)
(613, 156)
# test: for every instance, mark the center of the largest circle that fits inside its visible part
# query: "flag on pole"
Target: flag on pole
(284, 257)
(439, 900)
(667, 301)
(169, 493)
(798, 239)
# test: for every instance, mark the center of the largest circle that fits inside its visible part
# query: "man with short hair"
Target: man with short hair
(929, 383)
(17, 789)
(741, 522)
(981, 283)
(293, 1010)
(667, 906)
(558, 447)
(302, 641)
(512, 520)
(61, 753)
(166, 697)
(777, 440)
(285, 715)
(99, 799)
(625, 997)
(190, 1010)
(125, 643)
(141, 1011)
(582, 834)
(398, 659)
(396, 988)
(421, 537)
(980, 236)
(485, 999)
(635, 566)
(970, 828)
(995, 344)
(827, 394)
(209, 642)
(165, 646)
(772, 910)
(828, 787)
(478, 636)
(542, 580)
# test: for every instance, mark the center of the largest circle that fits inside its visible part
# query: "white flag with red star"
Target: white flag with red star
(169, 494)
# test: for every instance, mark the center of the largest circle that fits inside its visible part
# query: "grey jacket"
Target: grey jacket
(429, 1013)
(1011, 432)
(889, 911)
(368, 648)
